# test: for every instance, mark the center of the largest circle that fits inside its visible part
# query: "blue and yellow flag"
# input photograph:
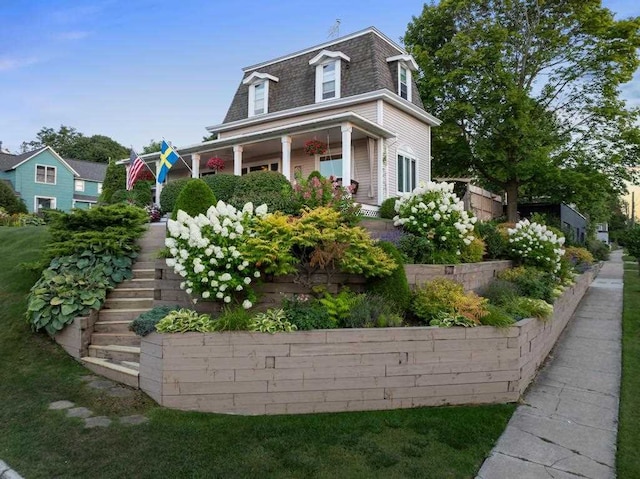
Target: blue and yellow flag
(168, 157)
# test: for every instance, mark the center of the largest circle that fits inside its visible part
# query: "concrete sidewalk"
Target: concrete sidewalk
(567, 426)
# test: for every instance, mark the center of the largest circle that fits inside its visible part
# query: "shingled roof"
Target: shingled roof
(367, 71)
(8, 161)
(89, 170)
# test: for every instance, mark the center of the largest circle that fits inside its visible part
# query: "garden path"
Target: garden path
(568, 422)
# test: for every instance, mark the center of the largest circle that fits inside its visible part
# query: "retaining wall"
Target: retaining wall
(473, 276)
(75, 337)
(349, 369)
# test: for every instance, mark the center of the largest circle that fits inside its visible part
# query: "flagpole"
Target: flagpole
(145, 163)
(179, 155)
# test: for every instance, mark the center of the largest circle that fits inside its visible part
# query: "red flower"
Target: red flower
(215, 164)
(315, 147)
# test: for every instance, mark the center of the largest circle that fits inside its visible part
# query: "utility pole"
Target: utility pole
(633, 209)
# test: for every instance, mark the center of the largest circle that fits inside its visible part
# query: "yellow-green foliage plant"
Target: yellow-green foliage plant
(473, 252)
(447, 296)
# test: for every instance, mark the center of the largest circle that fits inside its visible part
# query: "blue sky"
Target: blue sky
(138, 70)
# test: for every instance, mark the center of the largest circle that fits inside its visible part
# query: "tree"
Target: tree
(526, 89)
(70, 143)
(152, 147)
(114, 179)
(9, 201)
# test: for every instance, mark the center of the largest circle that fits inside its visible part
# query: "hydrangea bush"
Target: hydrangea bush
(206, 251)
(536, 245)
(434, 212)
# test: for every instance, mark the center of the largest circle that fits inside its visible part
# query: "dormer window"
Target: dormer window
(406, 64)
(259, 92)
(328, 74)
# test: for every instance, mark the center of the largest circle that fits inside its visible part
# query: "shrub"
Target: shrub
(320, 191)
(194, 199)
(500, 292)
(579, 258)
(523, 308)
(473, 252)
(271, 321)
(388, 208)
(421, 250)
(534, 244)
(146, 322)
(9, 201)
(531, 282)
(631, 239)
(395, 287)
(274, 201)
(371, 311)
(339, 306)
(232, 319)
(263, 182)
(599, 250)
(497, 316)
(307, 314)
(185, 321)
(443, 319)
(115, 179)
(444, 295)
(433, 212)
(495, 239)
(223, 186)
(142, 193)
(170, 192)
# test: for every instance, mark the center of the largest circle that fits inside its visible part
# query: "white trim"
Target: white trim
(252, 98)
(380, 144)
(373, 30)
(409, 155)
(408, 82)
(406, 59)
(380, 112)
(77, 182)
(54, 202)
(99, 187)
(337, 73)
(328, 54)
(75, 173)
(249, 164)
(383, 94)
(257, 76)
(45, 182)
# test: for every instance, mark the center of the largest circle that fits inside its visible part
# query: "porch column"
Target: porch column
(195, 165)
(286, 157)
(158, 185)
(346, 154)
(237, 160)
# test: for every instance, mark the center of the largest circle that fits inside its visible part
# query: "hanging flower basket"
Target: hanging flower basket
(315, 147)
(215, 164)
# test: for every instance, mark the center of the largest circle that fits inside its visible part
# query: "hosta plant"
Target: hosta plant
(185, 321)
(272, 321)
(534, 244)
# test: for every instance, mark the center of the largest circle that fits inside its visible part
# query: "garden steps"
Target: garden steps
(139, 302)
(112, 370)
(133, 292)
(120, 314)
(120, 339)
(144, 273)
(115, 352)
(121, 326)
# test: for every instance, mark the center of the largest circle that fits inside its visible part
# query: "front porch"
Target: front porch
(354, 152)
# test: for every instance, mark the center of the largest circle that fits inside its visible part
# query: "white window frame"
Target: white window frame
(252, 98)
(248, 165)
(54, 202)
(408, 159)
(320, 80)
(99, 188)
(78, 185)
(402, 66)
(45, 182)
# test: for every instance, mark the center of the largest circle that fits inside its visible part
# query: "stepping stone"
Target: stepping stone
(88, 378)
(57, 405)
(120, 392)
(134, 420)
(97, 421)
(101, 384)
(82, 412)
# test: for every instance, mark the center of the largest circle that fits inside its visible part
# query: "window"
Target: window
(46, 174)
(406, 173)
(258, 84)
(99, 188)
(331, 165)
(404, 85)
(329, 81)
(45, 202)
(328, 65)
(260, 167)
(79, 185)
(258, 98)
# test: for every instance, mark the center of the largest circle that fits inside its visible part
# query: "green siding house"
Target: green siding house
(43, 179)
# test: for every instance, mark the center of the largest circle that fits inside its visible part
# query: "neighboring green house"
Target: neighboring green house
(43, 179)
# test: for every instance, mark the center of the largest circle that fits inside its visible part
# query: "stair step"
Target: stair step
(128, 303)
(120, 326)
(143, 273)
(148, 257)
(131, 364)
(115, 352)
(138, 283)
(115, 339)
(124, 292)
(114, 371)
(120, 314)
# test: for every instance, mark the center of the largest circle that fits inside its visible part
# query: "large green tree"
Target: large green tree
(527, 90)
(70, 143)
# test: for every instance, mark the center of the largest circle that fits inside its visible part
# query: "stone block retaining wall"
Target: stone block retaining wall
(75, 337)
(473, 276)
(349, 369)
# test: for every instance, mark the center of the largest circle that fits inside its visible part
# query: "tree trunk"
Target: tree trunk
(512, 201)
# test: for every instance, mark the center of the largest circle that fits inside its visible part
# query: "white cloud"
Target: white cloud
(72, 35)
(10, 63)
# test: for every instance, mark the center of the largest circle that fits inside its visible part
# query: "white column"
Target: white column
(195, 165)
(286, 157)
(158, 185)
(381, 171)
(237, 160)
(346, 154)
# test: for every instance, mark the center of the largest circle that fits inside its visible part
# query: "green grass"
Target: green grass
(428, 442)
(628, 460)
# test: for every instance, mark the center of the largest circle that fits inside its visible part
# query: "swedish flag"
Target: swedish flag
(168, 157)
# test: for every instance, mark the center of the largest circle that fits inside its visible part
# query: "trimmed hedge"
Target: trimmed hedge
(263, 182)
(223, 186)
(170, 192)
(195, 198)
(387, 208)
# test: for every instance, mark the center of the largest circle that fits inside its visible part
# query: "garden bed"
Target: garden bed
(350, 369)
(473, 276)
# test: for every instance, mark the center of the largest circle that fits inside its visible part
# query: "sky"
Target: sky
(139, 70)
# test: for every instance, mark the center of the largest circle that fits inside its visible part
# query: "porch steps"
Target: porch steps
(114, 351)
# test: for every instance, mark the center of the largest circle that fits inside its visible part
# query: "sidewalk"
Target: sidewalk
(7, 473)
(567, 426)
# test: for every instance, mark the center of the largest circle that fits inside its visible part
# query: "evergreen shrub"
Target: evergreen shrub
(9, 201)
(170, 192)
(223, 186)
(395, 287)
(146, 322)
(388, 208)
(194, 199)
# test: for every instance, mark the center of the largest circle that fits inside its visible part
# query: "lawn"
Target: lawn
(427, 442)
(628, 460)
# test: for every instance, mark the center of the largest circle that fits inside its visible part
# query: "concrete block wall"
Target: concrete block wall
(473, 276)
(349, 369)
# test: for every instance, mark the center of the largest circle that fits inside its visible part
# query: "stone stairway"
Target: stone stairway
(114, 351)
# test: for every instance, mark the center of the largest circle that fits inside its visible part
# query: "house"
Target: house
(572, 222)
(602, 233)
(42, 179)
(355, 95)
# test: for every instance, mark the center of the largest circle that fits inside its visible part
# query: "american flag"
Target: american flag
(135, 166)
